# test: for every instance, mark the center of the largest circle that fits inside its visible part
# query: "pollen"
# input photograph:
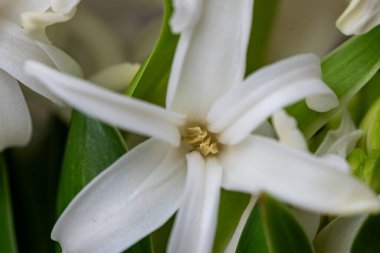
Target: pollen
(202, 140)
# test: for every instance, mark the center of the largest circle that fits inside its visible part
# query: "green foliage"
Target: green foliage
(264, 12)
(231, 207)
(271, 228)
(7, 233)
(151, 80)
(346, 70)
(367, 239)
(91, 147)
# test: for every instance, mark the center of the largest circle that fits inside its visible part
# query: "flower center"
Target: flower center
(201, 140)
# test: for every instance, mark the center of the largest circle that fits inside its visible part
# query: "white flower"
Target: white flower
(202, 141)
(15, 48)
(359, 17)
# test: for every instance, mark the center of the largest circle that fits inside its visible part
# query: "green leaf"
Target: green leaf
(91, 147)
(271, 228)
(253, 238)
(231, 207)
(262, 23)
(346, 70)
(7, 233)
(367, 239)
(151, 80)
(371, 127)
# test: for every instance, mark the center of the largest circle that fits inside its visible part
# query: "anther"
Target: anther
(201, 140)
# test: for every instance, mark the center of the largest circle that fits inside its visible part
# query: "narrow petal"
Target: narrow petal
(126, 202)
(15, 123)
(342, 140)
(287, 131)
(121, 111)
(116, 77)
(186, 14)
(35, 23)
(338, 235)
(210, 57)
(13, 9)
(359, 17)
(233, 243)
(195, 224)
(294, 176)
(61, 60)
(64, 6)
(263, 93)
(15, 49)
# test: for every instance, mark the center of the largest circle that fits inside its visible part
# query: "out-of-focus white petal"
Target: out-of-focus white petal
(35, 23)
(15, 49)
(324, 102)
(342, 140)
(338, 235)
(61, 60)
(294, 176)
(287, 131)
(15, 122)
(12, 9)
(309, 222)
(116, 77)
(233, 243)
(121, 111)
(126, 202)
(185, 15)
(64, 6)
(359, 17)
(244, 108)
(210, 58)
(195, 224)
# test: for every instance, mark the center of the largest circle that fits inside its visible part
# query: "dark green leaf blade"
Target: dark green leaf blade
(367, 239)
(91, 147)
(7, 233)
(253, 238)
(231, 207)
(346, 70)
(263, 17)
(271, 228)
(151, 80)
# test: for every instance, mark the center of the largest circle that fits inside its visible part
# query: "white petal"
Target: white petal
(61, 60)
(185, 15)
(64, 6)
(342, 140)
(35, 23)
(15, 49)
(244, 108)
(13, 9)
(195, 224)
(309, 222)
(119, 110)
(287, 131)
(116, 77)
(210, 58)
(359, 17)
(294, 176)
(338, 236)
(233, 243)
(15, 122)
(126, 202)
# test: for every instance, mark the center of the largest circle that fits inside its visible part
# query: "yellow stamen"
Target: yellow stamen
(201, 140)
